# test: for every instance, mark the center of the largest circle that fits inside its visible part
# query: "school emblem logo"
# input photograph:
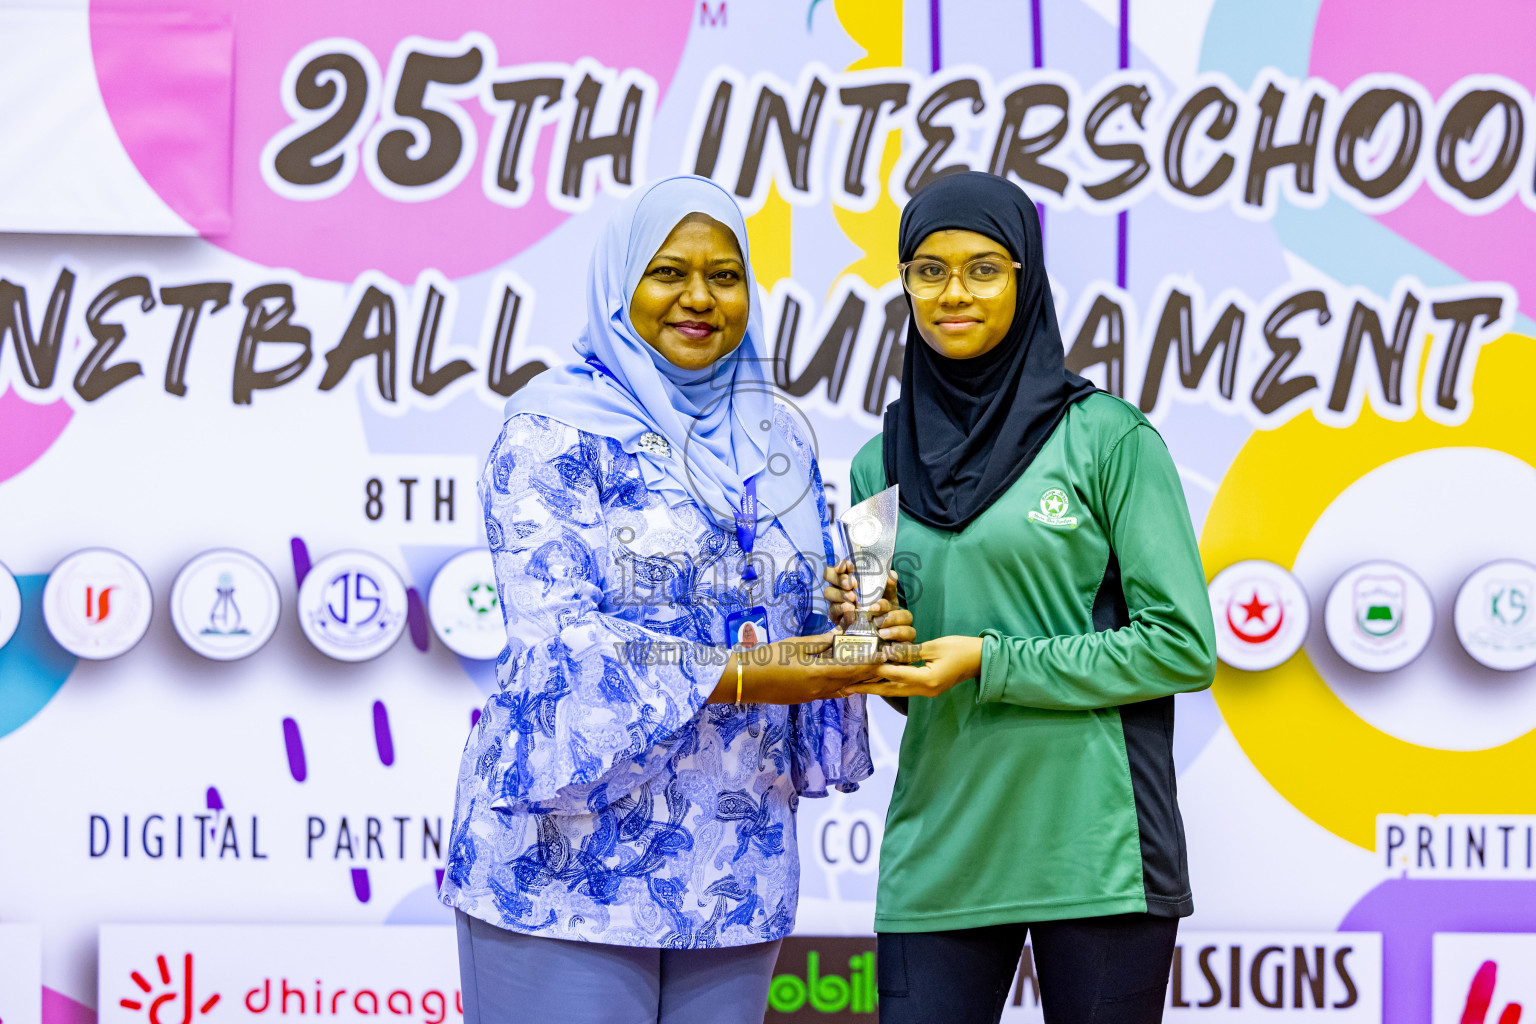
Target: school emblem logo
(1053, 510)
(97, 604)
(464, 608)
(225, 605)
(1261, 615)
(352, 606)
(1378, 604)
(1379, 616)
(1495, 615)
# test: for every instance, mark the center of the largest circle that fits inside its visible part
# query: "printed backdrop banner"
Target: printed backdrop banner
(269, 271)
(253, 973)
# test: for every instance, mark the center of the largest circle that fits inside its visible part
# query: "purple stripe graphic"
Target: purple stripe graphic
(300, 560)
(439, 879)
(474, 718)
(295, 744)
(1123, 221)
(1125, 34)
(416, 618)
(1122, 229)
(935, 37)
(215, 802)
(381, 737)
(1037, 23)
(360, 884)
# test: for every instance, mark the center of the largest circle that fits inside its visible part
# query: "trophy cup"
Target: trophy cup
(869, 533)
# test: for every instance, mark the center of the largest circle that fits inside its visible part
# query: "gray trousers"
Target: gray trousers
(510, 978)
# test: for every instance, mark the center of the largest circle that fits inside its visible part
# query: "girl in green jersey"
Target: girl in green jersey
(1051, 569)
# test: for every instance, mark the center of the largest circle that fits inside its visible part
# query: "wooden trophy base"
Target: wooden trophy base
(855, 646)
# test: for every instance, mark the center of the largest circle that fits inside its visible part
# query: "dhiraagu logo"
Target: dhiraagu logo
(1053, 510)
(818, 991)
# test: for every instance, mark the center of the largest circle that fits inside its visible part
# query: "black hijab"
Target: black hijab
(965, 429)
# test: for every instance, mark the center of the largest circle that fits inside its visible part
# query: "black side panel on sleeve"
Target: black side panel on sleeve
(1109, 610)
(1148, 729)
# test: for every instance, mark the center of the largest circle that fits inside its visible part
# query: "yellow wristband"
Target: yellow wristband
(738, 680)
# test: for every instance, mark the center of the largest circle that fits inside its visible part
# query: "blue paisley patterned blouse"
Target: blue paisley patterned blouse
(599, 798)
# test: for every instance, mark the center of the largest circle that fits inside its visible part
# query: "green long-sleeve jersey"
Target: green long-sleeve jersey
(1045, 789)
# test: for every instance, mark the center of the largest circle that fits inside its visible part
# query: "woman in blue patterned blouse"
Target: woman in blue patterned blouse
(624, 847)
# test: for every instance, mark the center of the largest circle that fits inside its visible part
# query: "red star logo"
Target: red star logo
(1254, 609)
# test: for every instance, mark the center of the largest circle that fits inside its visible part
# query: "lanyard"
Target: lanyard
(746, 527)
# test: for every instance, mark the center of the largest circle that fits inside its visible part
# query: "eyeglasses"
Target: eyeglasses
(983, 278)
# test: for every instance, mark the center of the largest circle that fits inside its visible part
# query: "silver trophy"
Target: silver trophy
(869, 533)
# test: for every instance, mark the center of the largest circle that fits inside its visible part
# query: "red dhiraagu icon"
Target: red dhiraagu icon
(1261, 615)
(1379, 616)
(1482, 978)
(168, 996)
(1480, 998)
(97, 604)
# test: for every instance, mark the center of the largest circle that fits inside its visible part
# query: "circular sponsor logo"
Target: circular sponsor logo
(352, 606)
(464, 608)
(97, 604)
(10, 605)
(1261, 615)
(225, 605)
(1496, 615)
(1379, 616)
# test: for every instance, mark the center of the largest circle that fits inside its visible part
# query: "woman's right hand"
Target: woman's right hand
(794, 671)
(842, 598)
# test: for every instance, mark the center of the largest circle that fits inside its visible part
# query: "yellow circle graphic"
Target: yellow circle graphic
(1329, 763)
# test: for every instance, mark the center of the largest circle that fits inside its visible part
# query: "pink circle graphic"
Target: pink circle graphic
(29, 431)
(167, 75)
(1437, 44)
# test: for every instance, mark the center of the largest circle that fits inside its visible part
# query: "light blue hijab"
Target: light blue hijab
(718, 421)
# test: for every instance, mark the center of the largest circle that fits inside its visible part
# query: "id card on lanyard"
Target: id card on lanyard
(748, 627)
